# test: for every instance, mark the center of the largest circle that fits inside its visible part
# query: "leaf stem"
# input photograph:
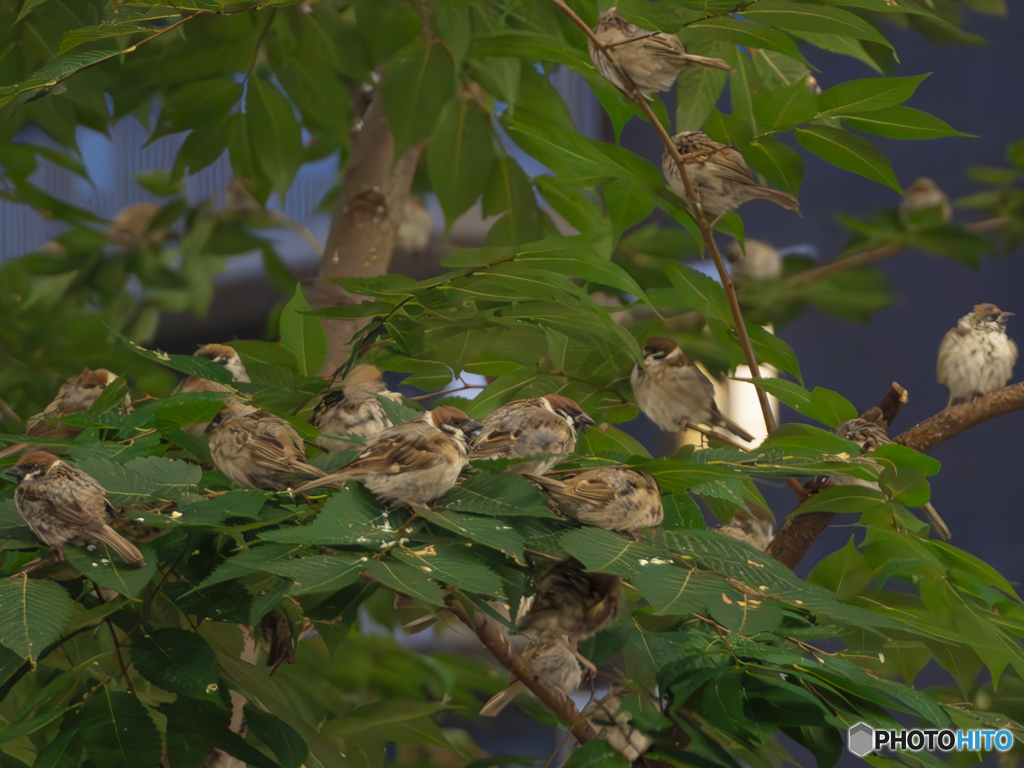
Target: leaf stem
(117, 646)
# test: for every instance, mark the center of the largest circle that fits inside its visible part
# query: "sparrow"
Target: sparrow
(132, 227)
(77, 394)
(257, 449)
(652, 60)
(755, 261)
(613, 498)
(720, 176)
(61, 503)
(923, 195)
(276, 637)
(545, 427)
(749, 529)
(573, 602)
(222, 355)
(551, 659)
(415, 227)
(352, 410)
(869, 432)
(976, 357)
(673, 392)
(614, 725)
(414, 462)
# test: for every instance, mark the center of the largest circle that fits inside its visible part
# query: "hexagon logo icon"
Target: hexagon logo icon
(861, 739)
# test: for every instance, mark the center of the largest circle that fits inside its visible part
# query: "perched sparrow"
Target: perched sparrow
(413, 462)
(257, 449)
(353, 409)
(924, 194)
(976, 357)
(652, 60)
(869, 433)
(546, 427)
(613, 498)
(551, 659)
(759, 261)
(811, 84)
(76, 394)
(61, 503)
(574, 603)
(132, 227)
(719, 174)
(414, 229)
(276, 637)
(613, 724)
(673, 392)
(222, 355)
(749, 529)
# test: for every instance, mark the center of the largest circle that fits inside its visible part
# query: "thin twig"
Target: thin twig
(884, 251)
(117, 646)
(697, 213)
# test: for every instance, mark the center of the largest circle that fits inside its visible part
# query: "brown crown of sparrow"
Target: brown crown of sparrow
(351, 409)
(61, 503)
(613, 498)
(976, 357)
(414, 462)
(650, 60)
(924, 194)
(673, 392)
(869, 432)
(257, 449)
(551, 659)
(719, 174)
(541, 426)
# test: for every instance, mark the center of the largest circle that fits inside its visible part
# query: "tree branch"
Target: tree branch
(800, 531)
(365, 222)
(697, 213)
(883, 251)
(495, 641)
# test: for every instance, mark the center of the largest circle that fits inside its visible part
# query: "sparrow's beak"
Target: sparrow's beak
(16, 472)
(1004, 316)
(587, 420)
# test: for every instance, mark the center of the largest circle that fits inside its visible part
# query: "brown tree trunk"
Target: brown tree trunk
(362, 237)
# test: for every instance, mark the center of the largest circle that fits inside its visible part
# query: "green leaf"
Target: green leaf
(77, 37)
(454, 565)
(906, 486)
(118, 732)
(193, 366)
(698, 91)
(274, 136)
(405, 579)
(496, 494)
(740, 32)
(303, 335)
(812, 18)
(847, 151)
(782, 166)
(901, 123)
(417, 83)
(460, 156)
(488, 531)
(596, 754)
(33, 614)
(289, 747)
(178, 661)
(697, 291)
(867, 95)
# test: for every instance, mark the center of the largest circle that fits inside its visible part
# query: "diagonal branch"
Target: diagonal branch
(836, 266)
(799, 532)
(495, 641)
(697, 212)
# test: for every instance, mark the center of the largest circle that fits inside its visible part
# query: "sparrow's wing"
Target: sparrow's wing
(536, 432)
(274, 445)
(947, 347)
(728, 164)
(592, 487)
(401, 452)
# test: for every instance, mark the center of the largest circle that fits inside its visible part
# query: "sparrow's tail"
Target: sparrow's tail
(735, 428)
(937, 522)
(779, 197)
(706, 61)
(128, 551)
(323, 481)
(503, 699)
